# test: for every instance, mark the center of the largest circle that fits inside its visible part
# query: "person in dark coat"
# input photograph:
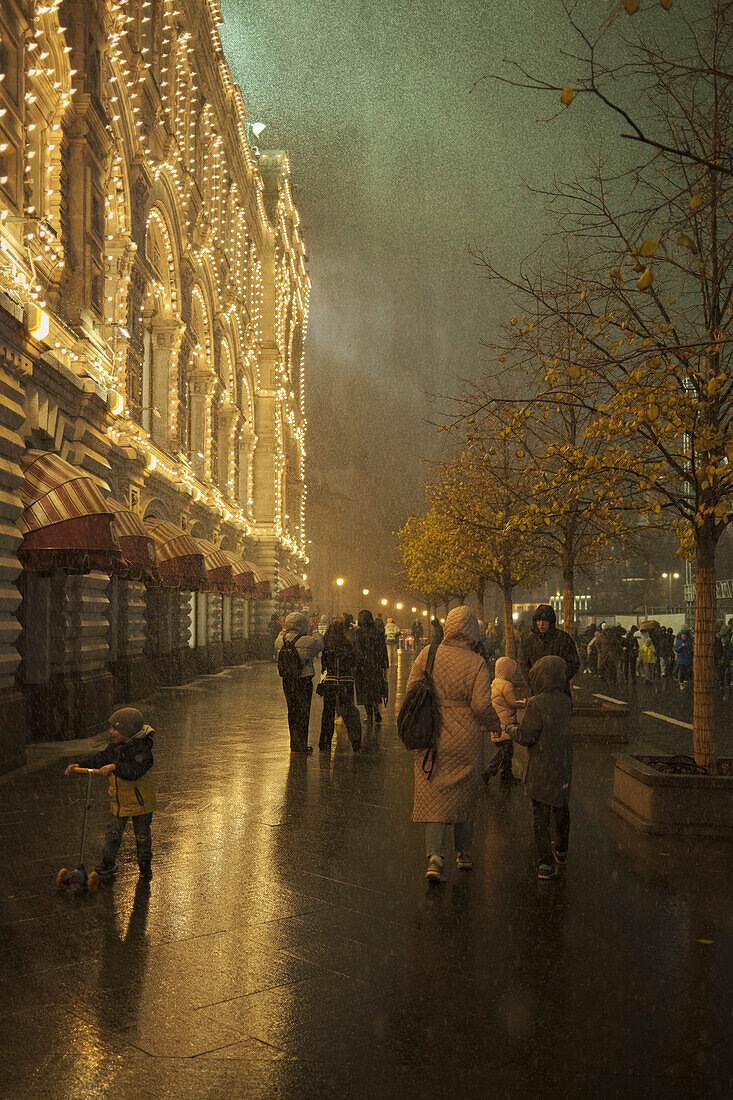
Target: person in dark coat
(546, 640)
(665, 652)
(371, 662)
(299, 692)
(585, 639)
(630, 653)
(609, 653)
(684, 653)
(546, 730)
(337, 688)
(437, 635)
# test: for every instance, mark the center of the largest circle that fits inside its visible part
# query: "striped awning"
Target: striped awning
(262, 589)
(179, 559)
(67, 520)
(136, 544)
(219, 572)
(290, 587)
(244, 579)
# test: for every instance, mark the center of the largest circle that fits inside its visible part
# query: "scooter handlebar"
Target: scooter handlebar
(85, 771)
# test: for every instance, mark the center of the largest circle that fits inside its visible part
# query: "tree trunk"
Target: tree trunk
(703, 721)
(508, 623)
(568, 599)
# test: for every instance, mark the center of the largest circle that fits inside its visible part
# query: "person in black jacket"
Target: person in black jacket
(370, 651)
(337, 687)
(546, 640)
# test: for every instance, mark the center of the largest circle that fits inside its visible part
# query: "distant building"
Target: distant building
(153, 308)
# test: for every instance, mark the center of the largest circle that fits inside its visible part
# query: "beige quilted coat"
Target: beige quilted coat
(463, 688)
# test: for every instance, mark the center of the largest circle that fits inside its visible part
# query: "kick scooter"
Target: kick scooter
(85, 880)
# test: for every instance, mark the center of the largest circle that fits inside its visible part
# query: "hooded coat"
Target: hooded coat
(463, 690)
(684, 649)
(308, 646)
(554, 643)
(503, 698)
(546, 729)
(131, 787)
(372, 661)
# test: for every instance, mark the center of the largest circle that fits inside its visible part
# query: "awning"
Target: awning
(290, 588)
(244, 580)
(262, 585)
(136, 544)
(67, 521)
(219, 572)
(180, 561)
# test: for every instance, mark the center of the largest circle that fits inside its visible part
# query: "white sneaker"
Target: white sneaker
(434, 872)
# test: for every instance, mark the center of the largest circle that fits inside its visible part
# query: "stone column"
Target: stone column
(12, 703)
(166, 333)
(243, 490)
(201, 384)
(88, 681)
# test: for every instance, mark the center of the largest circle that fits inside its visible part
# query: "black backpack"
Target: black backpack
(289, 664)
(419, 717)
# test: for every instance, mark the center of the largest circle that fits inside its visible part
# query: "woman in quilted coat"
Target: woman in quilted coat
(463, 689)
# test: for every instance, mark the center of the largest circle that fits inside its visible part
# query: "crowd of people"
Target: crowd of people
(651, 653)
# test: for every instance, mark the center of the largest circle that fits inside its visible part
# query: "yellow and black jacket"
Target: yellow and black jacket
(132, 784)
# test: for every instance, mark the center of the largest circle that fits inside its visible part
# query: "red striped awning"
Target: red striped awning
(244, 580)
(180, 560)
(67, 521)
(290, 587)
(262, 589)
(136, 544)
(219, 572)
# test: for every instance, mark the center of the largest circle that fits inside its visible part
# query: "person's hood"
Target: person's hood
(548, 674)
(296, 623)
(544, 611)
(461, 627)
(505, 668)
(684, 634)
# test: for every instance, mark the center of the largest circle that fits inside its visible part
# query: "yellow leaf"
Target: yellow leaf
(695, 202)
(666, 4)
(686, 242)
(574, 371)
(632, 6)
(652, 413)
(513, 321)
(567, 95)
(648, 247)
(645, 280)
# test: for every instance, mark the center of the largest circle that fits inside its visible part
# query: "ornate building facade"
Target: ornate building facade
(153, 312)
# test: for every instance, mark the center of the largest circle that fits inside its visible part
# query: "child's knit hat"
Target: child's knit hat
(127, 721)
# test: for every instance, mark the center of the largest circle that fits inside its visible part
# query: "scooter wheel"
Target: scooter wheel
(60, 884)
(93, 882)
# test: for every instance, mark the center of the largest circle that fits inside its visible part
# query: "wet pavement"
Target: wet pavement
(289, 945)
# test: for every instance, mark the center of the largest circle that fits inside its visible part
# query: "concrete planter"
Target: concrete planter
(603, 723)
(661, 804)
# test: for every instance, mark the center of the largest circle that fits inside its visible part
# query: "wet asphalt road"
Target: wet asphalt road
(289, 945)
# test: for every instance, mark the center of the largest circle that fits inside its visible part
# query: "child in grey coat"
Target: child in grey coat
(546, 730)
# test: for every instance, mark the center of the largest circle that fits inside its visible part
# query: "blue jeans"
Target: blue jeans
(435, 832)
(113, 838)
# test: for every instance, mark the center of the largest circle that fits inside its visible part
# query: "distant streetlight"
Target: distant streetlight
(414, 609)
(383, 603)
(425, 613)
(339, 581)
(669, 577)
(365, 591)
(398, 606)
(337, 584)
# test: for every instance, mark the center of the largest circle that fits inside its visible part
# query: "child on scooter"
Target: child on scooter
(128, 761)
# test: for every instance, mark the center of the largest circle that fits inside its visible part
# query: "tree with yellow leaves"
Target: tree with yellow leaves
(651, 317)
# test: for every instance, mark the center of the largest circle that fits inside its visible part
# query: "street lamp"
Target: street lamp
(669, 577)
(398, 606)
(425, 614)
(339, 583)
(365, 591)
(414, 609)
(383, 603)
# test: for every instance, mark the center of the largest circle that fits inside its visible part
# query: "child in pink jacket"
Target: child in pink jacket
(505, 704)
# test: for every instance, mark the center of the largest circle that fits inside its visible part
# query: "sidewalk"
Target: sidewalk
(289, 945)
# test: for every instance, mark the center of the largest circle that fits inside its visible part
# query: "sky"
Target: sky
(401, 163)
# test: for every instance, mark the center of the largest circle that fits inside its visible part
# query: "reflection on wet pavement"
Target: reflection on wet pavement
(289, 946)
